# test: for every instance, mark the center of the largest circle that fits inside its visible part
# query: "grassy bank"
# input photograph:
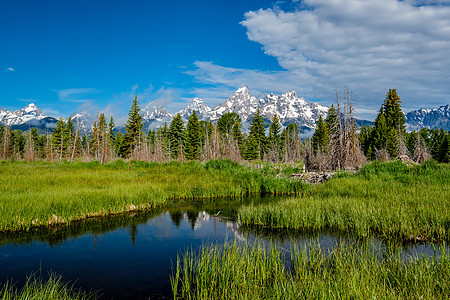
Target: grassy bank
(239, 271)
(386, 199)
(36, 288)
(41, 194)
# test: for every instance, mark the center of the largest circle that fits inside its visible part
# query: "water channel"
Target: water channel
(131, 256)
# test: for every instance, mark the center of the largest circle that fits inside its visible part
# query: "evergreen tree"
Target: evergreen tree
(176, 136)
(440, 145)
(112, 136)
(119, 144)
(252, 148)
(133, 128)
(320, 137)
(331, 122)
(275, 138)
(237, 134)
(58, 138)
(18, 142)
(226, 122)
(393, 111)
(379, 133)
(257, 135)
(365, 140)
(192, 147)
(69, 135)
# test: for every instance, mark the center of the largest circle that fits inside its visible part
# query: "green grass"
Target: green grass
(42, 194)
(240, 271)
(389, 200)
(36, 288)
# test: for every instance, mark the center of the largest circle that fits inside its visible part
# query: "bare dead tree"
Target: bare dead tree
(421, 153)
(345, 151)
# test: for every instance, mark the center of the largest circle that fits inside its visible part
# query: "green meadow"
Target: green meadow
(389, 200)
(42, 194)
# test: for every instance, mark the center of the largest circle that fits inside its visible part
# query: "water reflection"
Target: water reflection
(131, 255)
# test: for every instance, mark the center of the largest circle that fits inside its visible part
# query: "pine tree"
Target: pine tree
(331, 122)
(69, 136)
(257, 135)
(226, 122)
(112, 136)
(274, 139)
(193, 143)
(58, 138)
(393, 111)
(320, 137)
(237, 134)
(176, 136)
(252, 148)
(133, 127)
(379, 133)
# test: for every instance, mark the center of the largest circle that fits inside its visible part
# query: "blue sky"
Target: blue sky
(68, 56)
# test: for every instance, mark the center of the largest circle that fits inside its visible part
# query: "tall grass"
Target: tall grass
(386, 199)
(240, 271)
(36, 288)
(41, 194)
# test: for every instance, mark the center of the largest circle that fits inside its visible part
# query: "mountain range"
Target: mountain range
(288, 107)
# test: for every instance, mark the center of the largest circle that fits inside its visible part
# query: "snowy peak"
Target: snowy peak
(31, 110)
(203, 111)
(241, 102)
(25, 115)
(83, 121)
(154, 110)
(429, 118)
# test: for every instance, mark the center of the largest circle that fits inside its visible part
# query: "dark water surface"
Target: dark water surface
(131, 256)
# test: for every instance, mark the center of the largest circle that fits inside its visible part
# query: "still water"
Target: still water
(131, 256)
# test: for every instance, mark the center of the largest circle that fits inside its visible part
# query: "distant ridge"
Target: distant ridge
(288, 106)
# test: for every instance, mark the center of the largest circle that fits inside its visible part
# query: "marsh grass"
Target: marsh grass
(242, 271)
(389, 200)
(42, 194)
(36, 288)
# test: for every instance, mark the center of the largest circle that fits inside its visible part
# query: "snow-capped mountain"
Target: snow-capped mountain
(29, 112)
(241, 102)
(429, 118)
(155, 115)
(83, 121)
(203, 111)
(288, 107)
(26, 118)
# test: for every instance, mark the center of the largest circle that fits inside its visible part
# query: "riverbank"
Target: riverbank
(389, 200)
(41, 194)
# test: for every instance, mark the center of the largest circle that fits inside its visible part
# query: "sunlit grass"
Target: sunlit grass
(242, 271)
(40, 193)
(37, 288)
(386, 199)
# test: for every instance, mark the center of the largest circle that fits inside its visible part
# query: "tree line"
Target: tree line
(335, 144)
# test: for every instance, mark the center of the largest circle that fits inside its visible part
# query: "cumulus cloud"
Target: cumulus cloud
(371, 45)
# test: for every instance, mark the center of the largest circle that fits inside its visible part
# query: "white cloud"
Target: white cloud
(9, 70)
(371, 45)
(76, 95)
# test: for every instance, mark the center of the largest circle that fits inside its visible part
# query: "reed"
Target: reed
(242, 271)
(386, 199)
(36, 288)
(41, 194)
